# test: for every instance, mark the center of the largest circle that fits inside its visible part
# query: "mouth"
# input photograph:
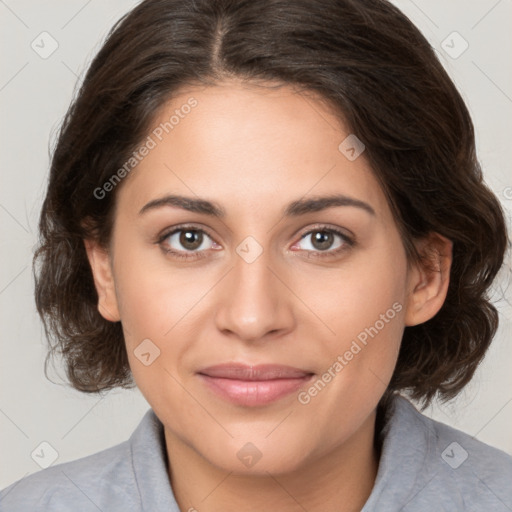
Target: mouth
(253, 385)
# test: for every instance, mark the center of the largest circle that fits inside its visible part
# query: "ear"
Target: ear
(428, 279)
(99, 259)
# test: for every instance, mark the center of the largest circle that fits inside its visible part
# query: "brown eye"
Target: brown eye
(186, 243)
(190, 239)
(323, 242)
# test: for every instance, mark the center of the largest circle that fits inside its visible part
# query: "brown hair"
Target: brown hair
(367, 60)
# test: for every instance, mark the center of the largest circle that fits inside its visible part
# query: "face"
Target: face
(275, 279)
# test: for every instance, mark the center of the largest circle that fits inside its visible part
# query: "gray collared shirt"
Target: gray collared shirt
(424, 466)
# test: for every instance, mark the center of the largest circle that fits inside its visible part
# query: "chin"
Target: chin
(246, 459)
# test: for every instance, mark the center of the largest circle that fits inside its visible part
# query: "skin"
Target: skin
(253, 150)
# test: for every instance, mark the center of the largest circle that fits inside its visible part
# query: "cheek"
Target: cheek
(156, 305)
(353, 296)
(364, 306)
(152, 295)
(163, 304)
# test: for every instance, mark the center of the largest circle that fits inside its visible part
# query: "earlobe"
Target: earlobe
(99, 260)
(429, 279)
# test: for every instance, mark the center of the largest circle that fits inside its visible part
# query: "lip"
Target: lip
(253, 385)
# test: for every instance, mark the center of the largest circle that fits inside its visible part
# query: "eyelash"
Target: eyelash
(348, 242)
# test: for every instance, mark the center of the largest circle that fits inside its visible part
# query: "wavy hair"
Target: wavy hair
(377, 72)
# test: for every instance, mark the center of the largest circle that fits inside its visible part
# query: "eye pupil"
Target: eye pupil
(322, 240)
(191, 237)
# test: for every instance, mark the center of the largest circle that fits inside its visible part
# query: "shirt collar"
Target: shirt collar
(405, 442)
(149, 460)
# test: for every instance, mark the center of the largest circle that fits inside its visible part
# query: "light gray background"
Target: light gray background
(34, 95)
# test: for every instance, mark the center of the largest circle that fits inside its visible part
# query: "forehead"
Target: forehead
(250, 147)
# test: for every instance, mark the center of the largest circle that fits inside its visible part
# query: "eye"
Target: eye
(323, 240)
(190, 242)
(186, 239)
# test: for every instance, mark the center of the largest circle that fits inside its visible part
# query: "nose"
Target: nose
(255, 303)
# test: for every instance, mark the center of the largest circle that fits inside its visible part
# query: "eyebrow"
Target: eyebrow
(294, 209)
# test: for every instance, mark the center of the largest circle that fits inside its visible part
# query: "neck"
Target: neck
(340, 480)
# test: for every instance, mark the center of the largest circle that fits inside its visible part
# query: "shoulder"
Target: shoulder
(130, 476)
(106, 480)
(453, 470)
(85, 484)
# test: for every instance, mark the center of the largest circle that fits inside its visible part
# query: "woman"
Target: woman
(269, 216)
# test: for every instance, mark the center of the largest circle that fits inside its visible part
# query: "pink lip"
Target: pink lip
(252, 386)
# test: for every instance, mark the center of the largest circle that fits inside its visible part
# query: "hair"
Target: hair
(374, 68)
